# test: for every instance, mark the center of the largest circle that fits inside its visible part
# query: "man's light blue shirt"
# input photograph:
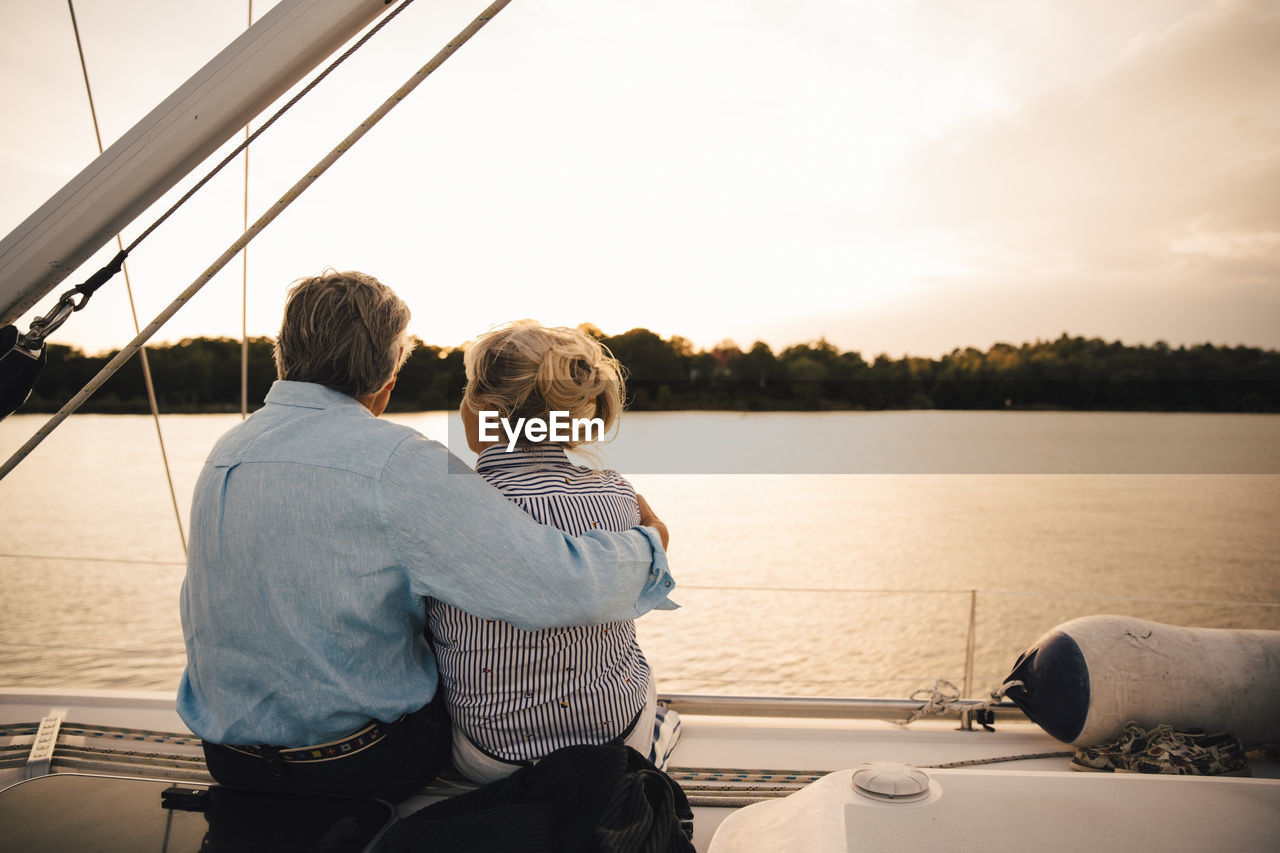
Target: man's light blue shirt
(316, 531)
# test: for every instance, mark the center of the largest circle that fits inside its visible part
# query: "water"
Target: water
(791, 583)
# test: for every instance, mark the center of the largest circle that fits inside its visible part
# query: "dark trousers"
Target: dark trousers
(402, 763)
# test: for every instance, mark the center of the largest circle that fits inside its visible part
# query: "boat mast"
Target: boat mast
(170, 141)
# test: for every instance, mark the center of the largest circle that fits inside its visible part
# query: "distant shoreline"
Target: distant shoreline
(142, 409)
(202, 376)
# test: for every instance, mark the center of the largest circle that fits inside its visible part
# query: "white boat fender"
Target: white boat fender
(1086, 678)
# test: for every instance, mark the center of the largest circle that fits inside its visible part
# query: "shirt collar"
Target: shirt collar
(309, 395)
(498, 458)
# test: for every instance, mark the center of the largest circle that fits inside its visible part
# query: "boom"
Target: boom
(170, 141)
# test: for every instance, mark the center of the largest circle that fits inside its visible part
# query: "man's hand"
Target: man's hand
(649, 519)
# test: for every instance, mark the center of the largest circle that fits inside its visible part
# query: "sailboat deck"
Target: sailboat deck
(724, 761)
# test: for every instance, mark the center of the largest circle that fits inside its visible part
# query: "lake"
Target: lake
(816, 553)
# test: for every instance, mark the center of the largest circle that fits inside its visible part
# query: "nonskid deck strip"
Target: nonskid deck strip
(116, 732)
(717, 787)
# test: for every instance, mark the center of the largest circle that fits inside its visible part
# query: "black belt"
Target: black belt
(349, 745)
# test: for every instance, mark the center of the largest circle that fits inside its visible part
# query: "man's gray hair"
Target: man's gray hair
(343, 330)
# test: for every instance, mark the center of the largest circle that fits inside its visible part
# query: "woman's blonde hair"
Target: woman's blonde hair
(527, 370)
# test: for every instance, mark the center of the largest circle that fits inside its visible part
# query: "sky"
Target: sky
(895, 177)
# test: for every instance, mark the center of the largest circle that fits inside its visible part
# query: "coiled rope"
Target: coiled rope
(944, 695)
(253, 230)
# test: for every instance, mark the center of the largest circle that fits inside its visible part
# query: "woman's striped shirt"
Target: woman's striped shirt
(520, 695)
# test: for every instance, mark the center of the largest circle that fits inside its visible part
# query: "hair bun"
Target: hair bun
(527, 370)
(583, 371)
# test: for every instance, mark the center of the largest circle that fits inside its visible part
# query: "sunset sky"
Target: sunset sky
(898, 177)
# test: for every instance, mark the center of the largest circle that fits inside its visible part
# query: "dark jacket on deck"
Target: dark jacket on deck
(580, 798)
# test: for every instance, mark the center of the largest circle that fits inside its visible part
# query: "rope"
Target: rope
(166, 759)
(940, 698)
(733, 799)
(974, 762)
(719, 774)
(128, 286)
(275, 210)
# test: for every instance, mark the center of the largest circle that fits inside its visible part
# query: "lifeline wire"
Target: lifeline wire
(128, 287)
(244, 239)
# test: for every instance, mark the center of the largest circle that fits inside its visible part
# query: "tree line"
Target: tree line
(203, 375)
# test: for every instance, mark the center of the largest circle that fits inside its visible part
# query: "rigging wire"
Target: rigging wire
(268, 123)
(244, 275)
(265, 219)
(128, 287)
(42, 327)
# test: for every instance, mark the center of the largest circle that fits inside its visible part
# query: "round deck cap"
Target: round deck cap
(891, 781)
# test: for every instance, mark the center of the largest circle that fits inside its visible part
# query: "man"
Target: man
(316, 532)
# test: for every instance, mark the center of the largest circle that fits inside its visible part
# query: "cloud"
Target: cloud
(1174, 152)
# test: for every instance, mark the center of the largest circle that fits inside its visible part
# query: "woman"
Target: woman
(514, 695)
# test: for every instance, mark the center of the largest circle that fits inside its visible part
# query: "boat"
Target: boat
(805, 773)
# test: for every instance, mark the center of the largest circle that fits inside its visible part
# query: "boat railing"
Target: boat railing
(826, 707)
(16, 652)
(980, 607)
